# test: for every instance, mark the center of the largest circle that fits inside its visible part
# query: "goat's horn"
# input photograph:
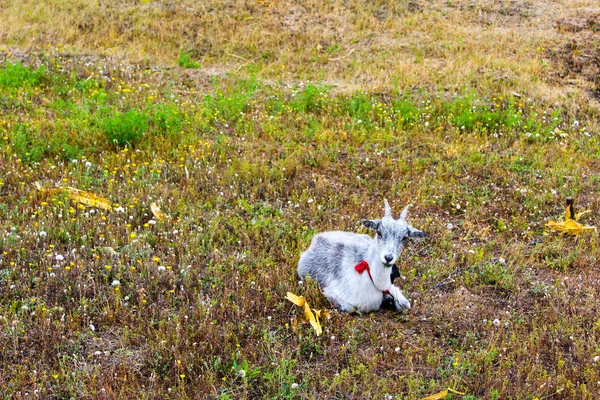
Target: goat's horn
(388, 209)
(405, 212)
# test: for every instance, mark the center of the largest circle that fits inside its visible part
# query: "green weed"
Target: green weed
(167, 119)
(124, 129)
(27, 144)
(309, 99)
(186, 61)
(15, 76)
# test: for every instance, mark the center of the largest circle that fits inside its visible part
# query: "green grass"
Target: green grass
(249, 170)
(16, 76)
(127, 129)
(186, 61)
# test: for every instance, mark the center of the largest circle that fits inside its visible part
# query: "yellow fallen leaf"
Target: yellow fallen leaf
(322, 313)
(89, 199)
(570, 211)
(313, 319)
(158, 213)
(436, 396)
(41, 189)
(570, 225)
(310, 317)
(83, 197)
(581, 214)
(443, 394)
(297, 300)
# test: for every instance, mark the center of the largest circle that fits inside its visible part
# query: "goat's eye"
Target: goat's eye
(378, 232)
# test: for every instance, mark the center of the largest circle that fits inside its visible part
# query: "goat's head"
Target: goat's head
(391, 234)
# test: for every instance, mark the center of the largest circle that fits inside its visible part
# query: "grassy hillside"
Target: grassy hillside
(256, 124)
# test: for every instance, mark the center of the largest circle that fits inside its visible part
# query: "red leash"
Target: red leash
(364, 266)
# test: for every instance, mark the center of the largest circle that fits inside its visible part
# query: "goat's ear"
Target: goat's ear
(371, 224)
(414, 233)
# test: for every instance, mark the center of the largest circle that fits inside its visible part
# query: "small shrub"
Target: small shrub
(27, 145)
(61, 145)
(14, 76)
(494, 274)
(186, 61)
(167, 119)
(309, 100)
(125, 129)
(358, 106)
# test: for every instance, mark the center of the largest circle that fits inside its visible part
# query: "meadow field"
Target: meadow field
(253, 125)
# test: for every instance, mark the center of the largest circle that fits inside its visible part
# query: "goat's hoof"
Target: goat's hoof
(405, 305)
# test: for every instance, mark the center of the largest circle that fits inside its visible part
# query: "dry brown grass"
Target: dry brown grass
(494, 47)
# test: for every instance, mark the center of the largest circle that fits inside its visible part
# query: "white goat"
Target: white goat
(338, 261)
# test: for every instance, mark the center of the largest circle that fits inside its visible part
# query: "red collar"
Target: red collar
(364, 266)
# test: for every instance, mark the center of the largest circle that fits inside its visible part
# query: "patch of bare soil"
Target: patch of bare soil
(513, 13)
(577, 61)
(580, 22)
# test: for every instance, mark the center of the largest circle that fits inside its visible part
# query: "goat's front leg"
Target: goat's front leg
(399, 300)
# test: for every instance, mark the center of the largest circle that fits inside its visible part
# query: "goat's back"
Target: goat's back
(330, 253)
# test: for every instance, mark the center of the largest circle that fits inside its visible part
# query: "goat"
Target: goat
(338, 260)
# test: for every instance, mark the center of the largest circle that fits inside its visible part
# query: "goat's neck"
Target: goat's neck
(378, 270)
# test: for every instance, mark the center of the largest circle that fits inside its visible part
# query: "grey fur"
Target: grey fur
(332, 256)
